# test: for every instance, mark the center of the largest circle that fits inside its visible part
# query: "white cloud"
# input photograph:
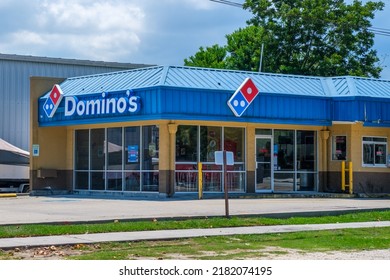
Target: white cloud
(26, 37)
(104, 30)
(95, 15)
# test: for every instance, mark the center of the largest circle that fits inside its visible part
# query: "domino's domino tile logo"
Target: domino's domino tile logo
(52, 102)
(243, 97)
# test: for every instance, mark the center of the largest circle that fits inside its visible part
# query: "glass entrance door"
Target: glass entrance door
(264, 172)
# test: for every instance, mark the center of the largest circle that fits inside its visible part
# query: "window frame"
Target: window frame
(333, 148)
(148, 149)
(374, 141)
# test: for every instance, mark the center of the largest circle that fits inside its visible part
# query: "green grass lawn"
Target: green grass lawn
(218, 247)
(240, 246)
(117, 226)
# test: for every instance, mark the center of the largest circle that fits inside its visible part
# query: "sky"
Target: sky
(161, 32)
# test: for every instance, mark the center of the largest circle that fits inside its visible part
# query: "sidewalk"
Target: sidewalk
(8, 243)
(73, 209)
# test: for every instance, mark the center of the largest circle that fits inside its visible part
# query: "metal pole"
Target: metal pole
(225, 185)
(261, 57)
(350, 177)
(343, 175)
(200, 180)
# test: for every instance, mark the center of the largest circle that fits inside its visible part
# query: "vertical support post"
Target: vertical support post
(172, 129)
(350, 173)
(225, 185)
(324, 135)
(343, 175)
(200, 180)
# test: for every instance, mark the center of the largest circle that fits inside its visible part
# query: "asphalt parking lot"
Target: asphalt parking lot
(63, 209)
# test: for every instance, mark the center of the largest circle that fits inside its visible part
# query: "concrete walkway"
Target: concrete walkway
(7, 243)
(72, 209)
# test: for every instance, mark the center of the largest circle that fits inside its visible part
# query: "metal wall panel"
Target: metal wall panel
(15, 73)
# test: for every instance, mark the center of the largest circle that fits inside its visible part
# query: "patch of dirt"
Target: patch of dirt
(269, 253)
(49, 252)
(291, 254)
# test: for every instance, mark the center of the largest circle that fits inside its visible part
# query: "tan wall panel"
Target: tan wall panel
(52, 141)
(355, 133)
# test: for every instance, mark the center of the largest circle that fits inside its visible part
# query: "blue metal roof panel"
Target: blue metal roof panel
(372, 87)
(114, 81)
(192, 77)
(230, 80)
(341, 86)
(217, 79)
(357, 86)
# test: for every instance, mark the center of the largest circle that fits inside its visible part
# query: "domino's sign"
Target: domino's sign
(243, 97)
(54, 100)
(101, 105)
(106, 104)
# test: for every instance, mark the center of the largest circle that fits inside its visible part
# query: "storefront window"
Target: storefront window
(81, 179)
(284, 150)
(306, 150)
(132, 159)
(150, 147)
(306, 160)
(374, 151)
(186, 175)
(114, 181)
(82, 150)
(150, 138)
(234, 141)
(132, 147)
(111, 159)
(212, 179)
(339, 147)
(262, 131)
(294, 160)
(114, 148)
(132, 181)
(114, 158)
(97, 180)
(97, 154)
(187, 143)
(210, 142)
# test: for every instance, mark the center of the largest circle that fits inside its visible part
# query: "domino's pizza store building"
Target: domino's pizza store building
(156, 130)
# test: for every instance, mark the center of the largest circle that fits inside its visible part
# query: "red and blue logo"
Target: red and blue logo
(243, 97)
(53, 101)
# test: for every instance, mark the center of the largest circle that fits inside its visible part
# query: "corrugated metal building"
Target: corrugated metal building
(146, 131)
(15, 73)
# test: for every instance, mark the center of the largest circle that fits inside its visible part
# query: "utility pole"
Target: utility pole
(239, 5)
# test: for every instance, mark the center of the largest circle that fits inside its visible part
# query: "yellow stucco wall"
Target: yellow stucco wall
(355, 133)
(52, 141)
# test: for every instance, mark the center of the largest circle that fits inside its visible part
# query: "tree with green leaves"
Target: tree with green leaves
(308, 37)
(211, 57)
